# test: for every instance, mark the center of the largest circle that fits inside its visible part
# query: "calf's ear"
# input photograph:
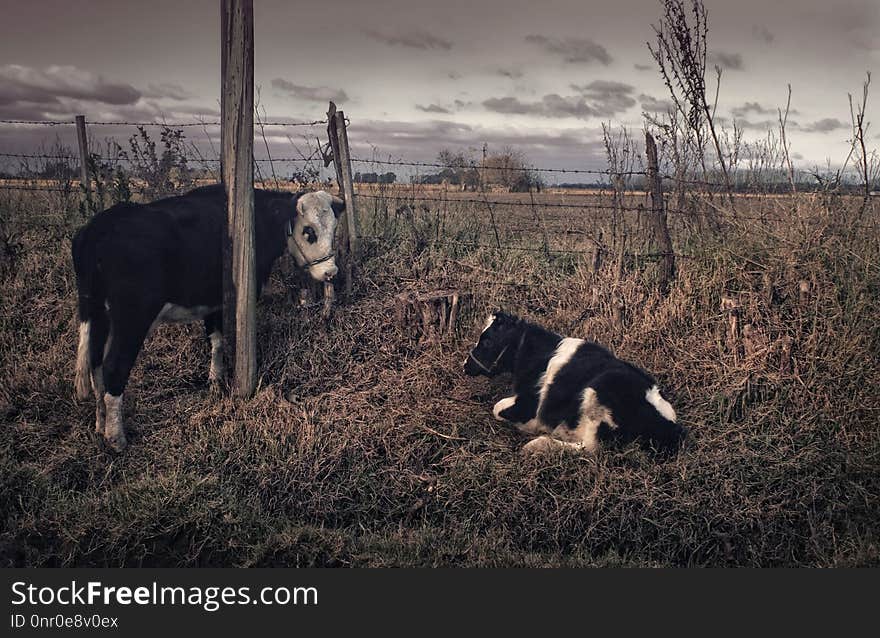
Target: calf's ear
(338, 205)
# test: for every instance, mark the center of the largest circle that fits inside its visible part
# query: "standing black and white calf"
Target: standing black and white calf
(138, 265)
(569, 392)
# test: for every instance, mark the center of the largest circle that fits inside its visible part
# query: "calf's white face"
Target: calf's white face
(312, 242)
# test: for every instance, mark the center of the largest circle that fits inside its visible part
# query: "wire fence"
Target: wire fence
(172, 125)
(613, 216)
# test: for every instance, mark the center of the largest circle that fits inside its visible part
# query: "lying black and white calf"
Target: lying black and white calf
(138, 265)
(569, 392)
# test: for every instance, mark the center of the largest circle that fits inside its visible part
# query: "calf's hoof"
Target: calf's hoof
(540, 445)
(216, 388)
(501, 406)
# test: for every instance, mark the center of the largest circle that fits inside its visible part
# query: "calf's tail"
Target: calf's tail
(88, 296)
(82, 380)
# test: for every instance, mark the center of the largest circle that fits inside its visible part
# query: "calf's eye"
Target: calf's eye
(310, 234)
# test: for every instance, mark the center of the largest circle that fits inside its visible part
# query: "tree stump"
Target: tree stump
(428, 316)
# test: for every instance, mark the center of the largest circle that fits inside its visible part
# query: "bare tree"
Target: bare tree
(859, 130)
(786, 149)
(680, 53)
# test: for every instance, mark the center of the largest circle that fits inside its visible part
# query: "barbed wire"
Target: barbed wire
(581, 205)
(166, 124)
(42, 122)
(734, 216)
(47, 189)
(536, 249)
(590, 206)
(132, 160)
(537, 169)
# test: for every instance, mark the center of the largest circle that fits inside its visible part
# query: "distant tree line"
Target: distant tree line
(375, 178)
(506, 169)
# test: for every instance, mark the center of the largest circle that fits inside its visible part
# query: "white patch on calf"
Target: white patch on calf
(662, 406)
(488, 325)
(583, 437)
(564, 352)
(592, 415)
(81, 381)
(216, 372)
(501, 406)
(114, 432)
(100, 408)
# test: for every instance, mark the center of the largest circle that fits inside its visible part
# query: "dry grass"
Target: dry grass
(365, 448)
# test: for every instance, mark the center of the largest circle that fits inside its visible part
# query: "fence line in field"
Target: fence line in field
(468, 167)
(532, 249)
(406, 197)
(589, 206)
(164, 124)
(690, 181)
(134, 161)
(399, 192)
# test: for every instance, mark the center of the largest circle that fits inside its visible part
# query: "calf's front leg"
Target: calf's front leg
(217, 371)
(545, 444)
(521, 411)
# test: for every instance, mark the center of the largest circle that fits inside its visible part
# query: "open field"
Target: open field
(364, 447)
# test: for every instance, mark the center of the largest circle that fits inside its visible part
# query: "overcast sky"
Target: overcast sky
(415, 76)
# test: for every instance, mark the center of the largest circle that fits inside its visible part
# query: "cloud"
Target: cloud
(643, 67)
(652, 104)
(415, 39)
(825, 125)
(757, 109)
(510, 72)
(572, 50)
(432, 108)
(27, 87)
(168, 91)
(607, 97)
(310, 93)
(604, 87)
(761, 125)
(727, 61)
(763, 34)
(751, 107)
(600, 98)
(422, 140)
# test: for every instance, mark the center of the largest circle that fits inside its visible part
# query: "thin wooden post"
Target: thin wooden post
(338, 135)
(343, 256)
(237, 142)
(84, 177)
(348, 181)
(661, 230)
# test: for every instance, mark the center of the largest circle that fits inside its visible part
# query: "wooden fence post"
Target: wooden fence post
(338, 135)
(84, 177)
(237, 142)
(344, 255)
(661, 230)
(348, 180)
